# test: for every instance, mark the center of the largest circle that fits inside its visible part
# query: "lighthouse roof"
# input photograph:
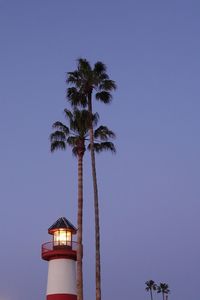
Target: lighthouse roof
(62, 223)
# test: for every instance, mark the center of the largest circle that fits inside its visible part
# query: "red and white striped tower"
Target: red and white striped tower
(61, 255)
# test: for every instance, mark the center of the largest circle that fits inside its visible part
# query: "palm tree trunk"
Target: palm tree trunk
(80, 229)
(163, 296)
(151, 294)
(96, 206)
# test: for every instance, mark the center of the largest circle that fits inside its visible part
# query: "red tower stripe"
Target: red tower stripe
(61, 297)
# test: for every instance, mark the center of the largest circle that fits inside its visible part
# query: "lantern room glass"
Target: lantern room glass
(62, 237)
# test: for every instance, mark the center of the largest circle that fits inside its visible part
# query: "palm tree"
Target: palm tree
(76, 136)
(164, 289)
(86, 82)
(150, 287)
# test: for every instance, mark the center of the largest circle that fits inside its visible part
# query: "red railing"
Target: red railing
(51, 246)
(52, 250)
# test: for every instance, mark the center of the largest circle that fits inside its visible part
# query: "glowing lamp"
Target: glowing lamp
(62, 237)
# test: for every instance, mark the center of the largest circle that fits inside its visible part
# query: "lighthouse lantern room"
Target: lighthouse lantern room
(61, 254)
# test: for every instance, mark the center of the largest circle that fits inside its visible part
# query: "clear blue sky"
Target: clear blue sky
(149, 191)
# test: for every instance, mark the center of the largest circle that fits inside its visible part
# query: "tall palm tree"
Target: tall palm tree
(150, 287)
(164, 289)
(87, 83)
(76, 136)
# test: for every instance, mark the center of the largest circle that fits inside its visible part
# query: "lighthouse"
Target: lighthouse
(61, 256)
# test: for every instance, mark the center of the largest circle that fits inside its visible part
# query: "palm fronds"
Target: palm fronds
(61, 127)
(107, 85)
(104, 146)
(76, 135)
(104, 97)
(58, 136)
(76, 97)
(58, 145)
(103, 133)
(85, 79)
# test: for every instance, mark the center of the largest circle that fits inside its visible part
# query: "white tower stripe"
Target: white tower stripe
(61, 277)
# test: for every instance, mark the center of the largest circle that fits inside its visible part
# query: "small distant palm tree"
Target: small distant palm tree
(150, 287)
(164, 289)
(76, 136)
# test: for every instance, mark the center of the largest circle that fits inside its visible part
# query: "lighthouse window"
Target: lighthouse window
(69, 237)
(62, 237)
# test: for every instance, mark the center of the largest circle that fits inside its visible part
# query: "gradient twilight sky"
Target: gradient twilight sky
(149, 191)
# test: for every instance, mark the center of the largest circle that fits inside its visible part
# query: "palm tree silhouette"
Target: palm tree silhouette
(150, 287)
(164, 289)
(87, 83)
(76, 136)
